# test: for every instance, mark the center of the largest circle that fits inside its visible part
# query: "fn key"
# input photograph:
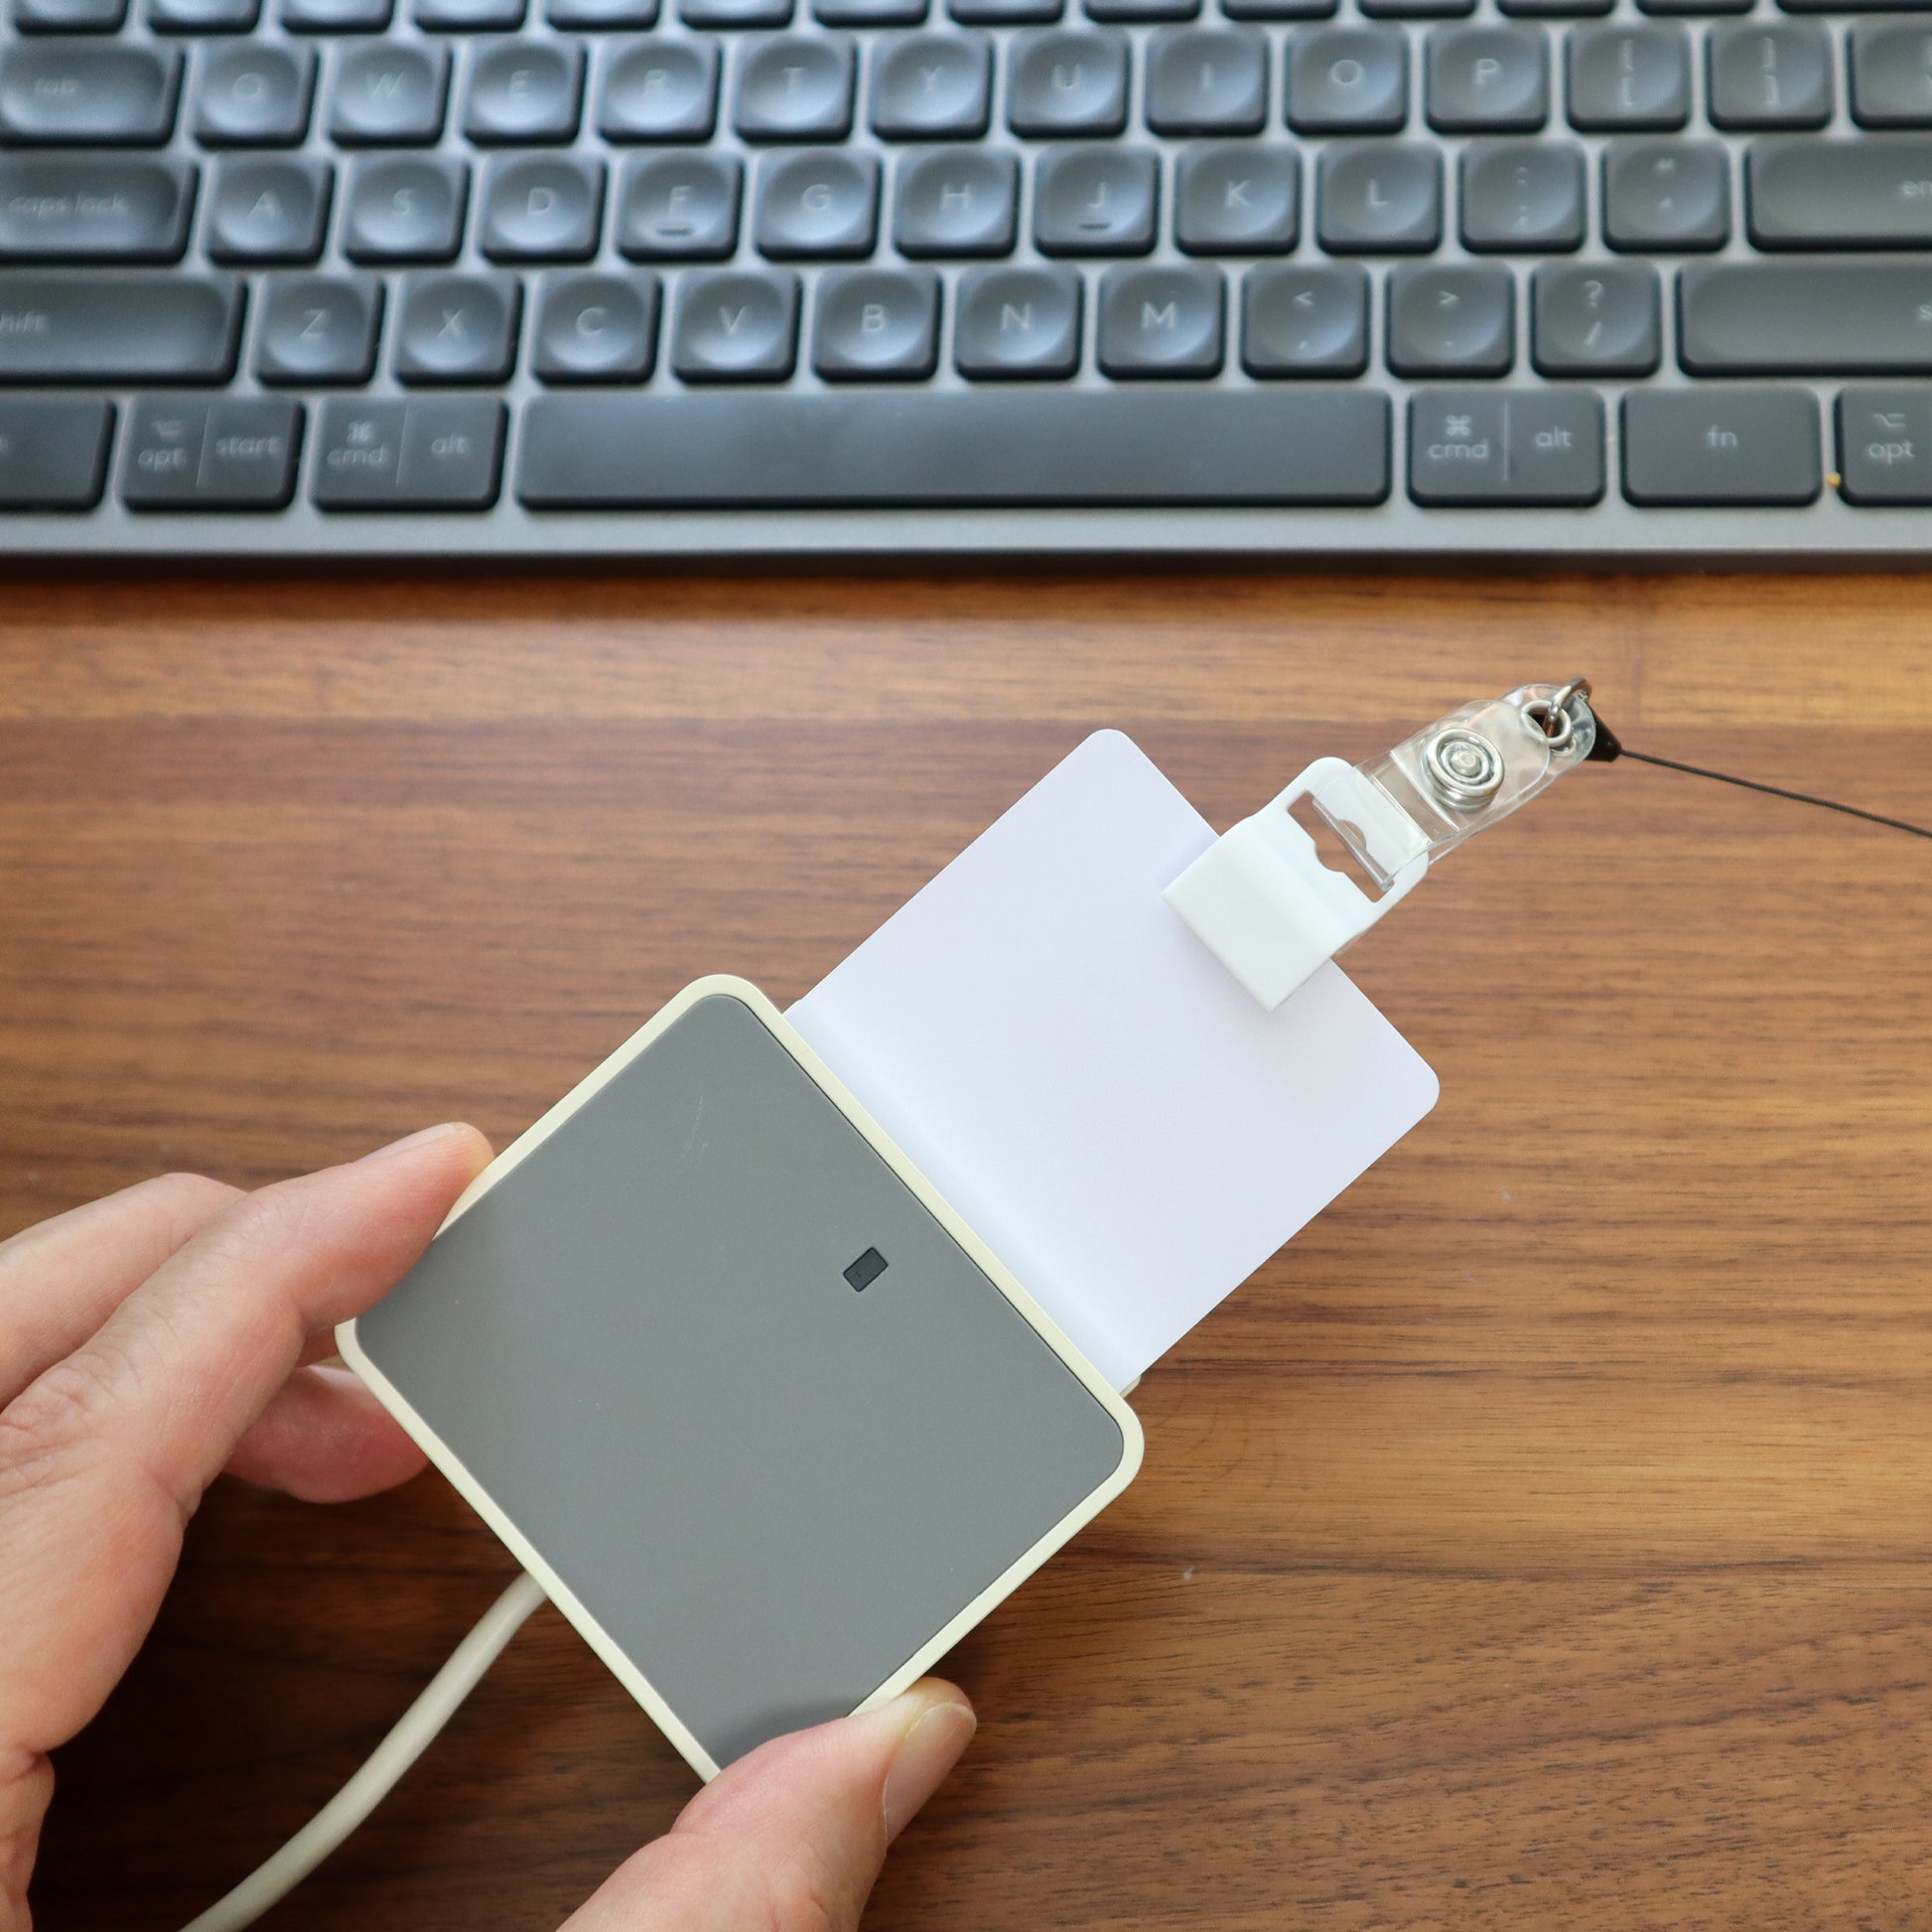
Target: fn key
(1720, 445)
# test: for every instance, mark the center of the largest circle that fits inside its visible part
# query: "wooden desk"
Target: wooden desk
(1545, 1539)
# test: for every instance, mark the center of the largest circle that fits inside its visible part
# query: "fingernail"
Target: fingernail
(931, 1747)
(410, 1142)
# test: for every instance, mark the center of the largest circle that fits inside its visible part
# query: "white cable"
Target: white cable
(413, 1734)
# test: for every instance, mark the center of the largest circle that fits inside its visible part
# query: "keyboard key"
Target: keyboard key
(659, 91)
(596, 327)
(869, 13)
(118, 327)
(542, 207)
(1851, 5)
(336, 16)
(1163, 322)
(468, 16)
(1629, 78)
(429, 453)
(1018, 323)
(1305, 321)
(1005, 13)
(795, 87)
(1154, 446)
(1279, 9)
(1452, 319)
(1415, 9)
(735, 13)
(253, 95)
(71, 92)
(1378, 198)
(956, 202)
(1594, 319)
(317, 329)
(458, 328)
(524, 90)
(1236, 197)
(1885, 445)
(1891, 72)
(1348, 79)
(53, 452)
(387, 93)
(203, 16)
(1841, 194)
(68, 16)
(817, 202)
(1506, 446)
(1130, 10)
(238, 454)
(602, 16)
(1769, 74)
(1666, 194)
(1696, 6)
(932, 86)
(1066, 82)
(1829, 318)
(1522, 196)
(1095, 201)
(86, 207)
(268, 209)
(406, 209)
(679, 207)
(1716, 445)
(880, 324)
(734, 326)
(1488, 79)
(1206, 80)
(1553, 8)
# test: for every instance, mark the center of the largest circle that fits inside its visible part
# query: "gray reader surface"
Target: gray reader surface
(735, 1384)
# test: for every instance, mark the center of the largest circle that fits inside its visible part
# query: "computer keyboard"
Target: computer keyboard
(523, 277)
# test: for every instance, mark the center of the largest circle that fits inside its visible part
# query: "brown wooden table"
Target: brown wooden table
(1544, 1539)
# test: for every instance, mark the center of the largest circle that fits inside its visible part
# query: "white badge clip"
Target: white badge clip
(1261, 899)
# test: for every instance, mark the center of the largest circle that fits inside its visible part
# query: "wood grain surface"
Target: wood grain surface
(1543, 1540)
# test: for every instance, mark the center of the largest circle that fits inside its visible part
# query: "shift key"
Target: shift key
(431, 452)
(130, 328)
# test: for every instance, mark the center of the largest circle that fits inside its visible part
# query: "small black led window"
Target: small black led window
(866, 1270)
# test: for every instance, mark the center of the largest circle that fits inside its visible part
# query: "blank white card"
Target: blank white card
(1120, 1122)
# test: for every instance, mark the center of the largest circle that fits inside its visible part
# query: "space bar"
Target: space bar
(984, 448)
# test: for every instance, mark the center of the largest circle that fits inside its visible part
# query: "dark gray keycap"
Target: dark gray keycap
(602, 16)
(1891, 72)
(1206, 80)
(678, 208)
(818, 202)
(795, 87)
(1154, 446)
(202, 15)
(596, 327)
(1830, 318)
(1697, 6)
(253, 94)
(1594, 319)
(869, 13)
(1488, 78)
(735, 327)
(1065, 82)
(1629, 76)
(1379, 198)
(541, 208)
(1841, 194)
(1018, 323)
(1506, 446)
(1162, 322)
(1004, 13)
(336, 16)
(1236, 197)
(1851, 5)
(406, 209)
(735, 13)
(268, 209)
(879, 323)
(429, 453)
(99, 326)
(85, 207)
(388, 91)
(1452, 318)
(68, 16)
(956, 202)
(1769, 73)
(1347, 79)
(317, 329)
(1666, 194)
(468, 16)
(659, 91)
(457, 328)
(1415, 9)
(79, 93)
(1279, 9)
(932, 86)
(1885, 445)
(1522, 196)
(1720, 445)
(1095, 201)
(53, 452)
(524, 90)
(1305, 321)
(1553, 8)
(237, 454)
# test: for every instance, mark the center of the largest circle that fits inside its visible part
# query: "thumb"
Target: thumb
(790, 1838)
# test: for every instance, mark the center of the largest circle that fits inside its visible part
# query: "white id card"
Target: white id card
(1086, 1084)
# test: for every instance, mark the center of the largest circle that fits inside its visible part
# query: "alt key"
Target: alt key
(1503, 446)
(234, 456)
